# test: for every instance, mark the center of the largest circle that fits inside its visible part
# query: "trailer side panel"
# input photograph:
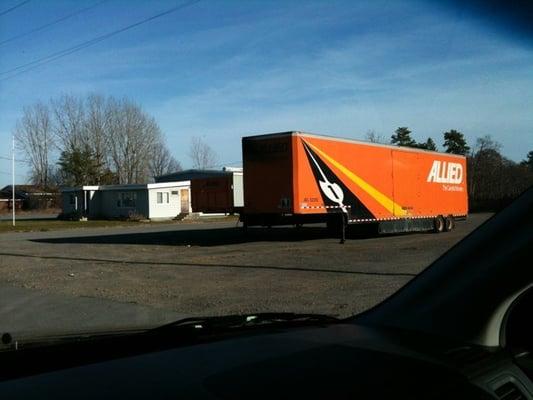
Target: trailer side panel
(377, 182)
(430, 184)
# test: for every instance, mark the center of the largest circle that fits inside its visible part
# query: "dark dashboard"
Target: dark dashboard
(340, 360)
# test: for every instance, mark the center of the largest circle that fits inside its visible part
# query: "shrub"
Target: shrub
(135, 216)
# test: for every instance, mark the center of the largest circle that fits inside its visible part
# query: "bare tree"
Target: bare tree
(373, 137)
(109, 140)
(162, 162)
(35, 139)
(486, 143)
(96, 132)
(55, 176)
(69, 123)
(132, 139)
(201, 154)
(484, 165)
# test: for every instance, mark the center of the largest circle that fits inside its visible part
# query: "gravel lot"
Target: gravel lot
(211, 268)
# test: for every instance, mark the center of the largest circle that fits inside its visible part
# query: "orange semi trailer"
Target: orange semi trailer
(296, 178)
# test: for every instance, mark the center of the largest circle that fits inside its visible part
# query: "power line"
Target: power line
(60, 54)
(9, 158)
(54, 22)
(10, 173)
(14, 7)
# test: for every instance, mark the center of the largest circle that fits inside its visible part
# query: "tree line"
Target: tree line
(90, 140)
(493, 180)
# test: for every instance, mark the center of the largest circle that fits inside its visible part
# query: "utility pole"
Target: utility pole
(13, 206)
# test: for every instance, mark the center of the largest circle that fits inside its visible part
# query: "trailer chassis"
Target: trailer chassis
(337, 222)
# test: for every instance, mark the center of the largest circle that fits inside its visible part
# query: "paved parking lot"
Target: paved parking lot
(164, 271)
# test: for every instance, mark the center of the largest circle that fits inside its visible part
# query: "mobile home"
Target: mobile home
(154, 201)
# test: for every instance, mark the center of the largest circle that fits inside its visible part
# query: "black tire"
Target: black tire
(438, 224)
(449, 223)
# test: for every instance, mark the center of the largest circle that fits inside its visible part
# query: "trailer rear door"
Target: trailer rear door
(268, 174)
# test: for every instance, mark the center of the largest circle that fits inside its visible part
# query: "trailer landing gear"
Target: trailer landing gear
(344, 222)
(336, 225)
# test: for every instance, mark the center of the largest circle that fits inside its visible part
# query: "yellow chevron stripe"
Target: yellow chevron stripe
(394, 208)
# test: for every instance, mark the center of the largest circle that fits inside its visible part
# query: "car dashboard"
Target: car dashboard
(342, 360)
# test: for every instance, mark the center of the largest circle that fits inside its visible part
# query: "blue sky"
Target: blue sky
(227, 69)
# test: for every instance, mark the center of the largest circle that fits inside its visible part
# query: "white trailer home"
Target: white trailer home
(155, 201)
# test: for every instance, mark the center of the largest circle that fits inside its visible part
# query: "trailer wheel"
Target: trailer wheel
(449, 223)
(438, 224)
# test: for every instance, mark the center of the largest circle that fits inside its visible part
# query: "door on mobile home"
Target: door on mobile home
(184, 195)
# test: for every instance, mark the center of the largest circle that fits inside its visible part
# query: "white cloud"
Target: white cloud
(471, 93)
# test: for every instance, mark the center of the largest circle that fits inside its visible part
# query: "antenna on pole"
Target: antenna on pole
(13, 206)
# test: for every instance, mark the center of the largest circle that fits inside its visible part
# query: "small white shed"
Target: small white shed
(155, 201)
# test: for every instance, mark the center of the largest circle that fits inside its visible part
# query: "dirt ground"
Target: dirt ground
(211, 268)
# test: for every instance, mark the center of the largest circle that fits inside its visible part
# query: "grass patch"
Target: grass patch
(44, 225)
(53, 225)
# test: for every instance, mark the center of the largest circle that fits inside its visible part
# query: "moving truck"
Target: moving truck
(219, 192)
(297, 178)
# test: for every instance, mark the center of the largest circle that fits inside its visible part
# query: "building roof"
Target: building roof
(7, 195)
(30, 190)
(134, 186)
(191, 174)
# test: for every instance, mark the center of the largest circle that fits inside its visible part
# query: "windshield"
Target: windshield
(171, 159)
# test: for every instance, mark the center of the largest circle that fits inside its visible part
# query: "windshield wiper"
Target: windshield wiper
(229, 322)
(186, 328)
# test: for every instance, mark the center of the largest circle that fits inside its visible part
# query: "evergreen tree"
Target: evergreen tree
(402, 137)
(79, 167)
(430, 145)
(455, 143)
